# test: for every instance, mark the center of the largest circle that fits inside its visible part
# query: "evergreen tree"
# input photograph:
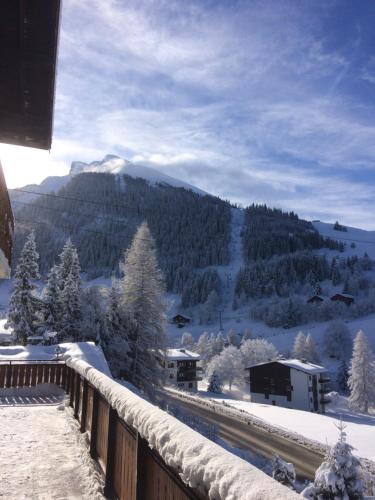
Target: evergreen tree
(299, 347)
(311, 352)
(335, 273)
(283, 472)
(23, 306)
(51, 301)
(187, 340)
(214, 383)
(362, 375)
(340, 476)
(143, 289)
(337, 340)
(343, 377)
(69, 281)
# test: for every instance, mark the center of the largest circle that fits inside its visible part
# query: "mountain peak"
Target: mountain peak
(112, 164)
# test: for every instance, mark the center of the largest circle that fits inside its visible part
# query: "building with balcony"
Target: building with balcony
(290, 383)
(182, 368)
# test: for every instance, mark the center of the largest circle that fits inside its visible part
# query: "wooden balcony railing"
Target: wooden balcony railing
(131, 469)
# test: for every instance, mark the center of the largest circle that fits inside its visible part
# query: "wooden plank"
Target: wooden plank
(58, 375)
(46, 370)
(72, 387)
(34, 373)
(77, 392)
(90, 400)
(40, 374)
(94, 425)
(14, 371)
(63, 370)
(85, 387)
(102, 434)
(28, 372)
(21, 376)
(125, 462)
(3, 373)
(109, 491)
(52, 374)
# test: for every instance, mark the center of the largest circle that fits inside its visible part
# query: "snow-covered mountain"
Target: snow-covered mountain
(110, 164)
(358, 241)
(115, 165)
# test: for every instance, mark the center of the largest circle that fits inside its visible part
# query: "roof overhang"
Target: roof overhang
(28, 52)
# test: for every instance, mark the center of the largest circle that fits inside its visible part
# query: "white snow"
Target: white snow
(201, 463)
(364, 240)
(310, 429)
(181, 354)
(304, 367)
(40, 455)
(114, 165)
(86, 351)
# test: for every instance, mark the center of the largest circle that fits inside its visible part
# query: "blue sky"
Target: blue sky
(265, 101)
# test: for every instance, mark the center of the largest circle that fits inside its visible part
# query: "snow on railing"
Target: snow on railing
(201, 464)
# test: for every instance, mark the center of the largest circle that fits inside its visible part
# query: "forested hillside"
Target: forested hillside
(191, 231)
(270, 231)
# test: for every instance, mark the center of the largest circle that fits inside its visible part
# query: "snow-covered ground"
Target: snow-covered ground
(85, 351)
(41, 457)
(364, 240)
(316, 428)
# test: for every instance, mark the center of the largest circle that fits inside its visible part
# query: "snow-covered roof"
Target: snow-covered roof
(303, 366)
(181, 355)
(297, 364)
(347, 295)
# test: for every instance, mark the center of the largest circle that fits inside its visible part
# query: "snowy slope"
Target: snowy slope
(49, 185)
(364, 240)
(114, 165)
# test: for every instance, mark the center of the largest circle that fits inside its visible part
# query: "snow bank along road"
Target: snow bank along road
(40, 456)
(249, 437)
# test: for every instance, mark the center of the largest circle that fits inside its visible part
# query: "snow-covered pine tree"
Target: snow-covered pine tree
(51, 301)
(202, 347)
(337, 340)
(362, 375)
(283, 472)
(142, 296)
(69, 281)
(340, 476)
(256, 351)
(219, 343)
(343, 377)
(299, 347)
(214, 383)
(311, 353)
(187, 341)
(23, 306)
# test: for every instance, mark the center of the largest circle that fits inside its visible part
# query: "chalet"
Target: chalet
(181, 368)
(315, 299)
(343, 297)
(180, 320)
(6, 228)
(290, 383)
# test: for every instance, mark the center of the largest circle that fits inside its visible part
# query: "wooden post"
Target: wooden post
(76, 396)
(142, 449)
(72, 385)
(94, 424)
(9, 375)
(111, 449)
(84, 405)
(67, 379)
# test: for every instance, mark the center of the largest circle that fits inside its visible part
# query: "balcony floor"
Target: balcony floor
(40, 455)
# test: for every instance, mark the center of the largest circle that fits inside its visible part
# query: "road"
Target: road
(250, 437)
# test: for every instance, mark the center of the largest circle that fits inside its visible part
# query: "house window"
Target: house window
(289, 397)
(267, 396)
(273, 402)
(310, 400)
(190, 385)
(170, 365)
(171, 375)
(181, 386)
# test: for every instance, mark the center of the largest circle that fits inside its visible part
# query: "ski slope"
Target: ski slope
(364, 240)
